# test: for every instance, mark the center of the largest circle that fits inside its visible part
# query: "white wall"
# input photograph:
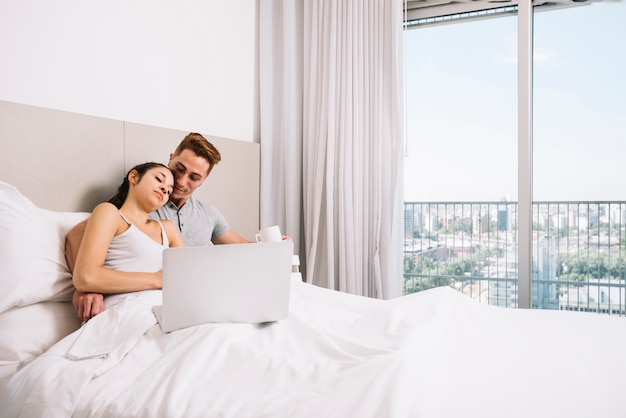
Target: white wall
(184, 64)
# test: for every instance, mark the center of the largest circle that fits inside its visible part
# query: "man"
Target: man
(198, 222)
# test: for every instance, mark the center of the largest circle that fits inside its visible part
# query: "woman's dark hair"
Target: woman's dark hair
(122, 190)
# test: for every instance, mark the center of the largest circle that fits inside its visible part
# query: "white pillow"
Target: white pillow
(32, 244)
(28, 331)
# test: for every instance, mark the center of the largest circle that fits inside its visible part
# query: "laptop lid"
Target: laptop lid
(247, 283)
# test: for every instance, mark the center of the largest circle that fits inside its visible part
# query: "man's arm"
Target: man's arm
(230, 237)
(72, 242)
(87, 305)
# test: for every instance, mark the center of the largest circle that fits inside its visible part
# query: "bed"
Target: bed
(432, 354)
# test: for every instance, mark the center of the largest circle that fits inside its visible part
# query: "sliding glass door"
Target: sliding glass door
(463, 226)
(461, 158)
(579, 148)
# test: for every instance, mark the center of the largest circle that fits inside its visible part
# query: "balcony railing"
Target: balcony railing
(578, 252)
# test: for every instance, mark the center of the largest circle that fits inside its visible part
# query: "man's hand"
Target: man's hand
(87, 305)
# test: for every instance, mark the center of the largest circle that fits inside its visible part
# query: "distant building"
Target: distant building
(594, 297)
(409, 221)
(503, 215)
(544, 292)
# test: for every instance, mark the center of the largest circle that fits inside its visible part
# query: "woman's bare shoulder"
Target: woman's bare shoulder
(104, 208)
(104, 214)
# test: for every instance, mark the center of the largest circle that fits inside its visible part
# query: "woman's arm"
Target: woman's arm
(90, 275)
(86, 304)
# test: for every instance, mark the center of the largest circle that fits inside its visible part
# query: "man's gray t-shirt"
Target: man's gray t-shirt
(197, 222)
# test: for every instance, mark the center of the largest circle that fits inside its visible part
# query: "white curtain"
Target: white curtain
(331, 138)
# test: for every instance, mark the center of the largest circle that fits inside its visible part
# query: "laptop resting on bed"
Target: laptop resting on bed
(233, 283)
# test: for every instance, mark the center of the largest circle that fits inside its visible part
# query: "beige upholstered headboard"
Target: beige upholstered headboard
(70, 162)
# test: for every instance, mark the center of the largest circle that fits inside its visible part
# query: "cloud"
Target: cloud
(545, 57)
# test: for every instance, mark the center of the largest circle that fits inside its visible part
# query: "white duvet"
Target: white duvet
(432, 354)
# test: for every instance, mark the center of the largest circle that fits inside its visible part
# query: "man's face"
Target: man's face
(190, 171)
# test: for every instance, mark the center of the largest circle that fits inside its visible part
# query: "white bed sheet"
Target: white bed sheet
(432, 354)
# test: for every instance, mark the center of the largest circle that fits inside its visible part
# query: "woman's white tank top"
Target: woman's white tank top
(132, 250)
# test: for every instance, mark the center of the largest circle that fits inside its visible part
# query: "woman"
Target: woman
(122, 250)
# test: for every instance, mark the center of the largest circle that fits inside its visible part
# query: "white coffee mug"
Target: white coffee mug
(269, 234)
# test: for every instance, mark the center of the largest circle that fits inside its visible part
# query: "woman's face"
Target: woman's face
(156, 185)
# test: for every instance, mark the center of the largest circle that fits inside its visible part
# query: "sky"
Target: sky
(461, 120)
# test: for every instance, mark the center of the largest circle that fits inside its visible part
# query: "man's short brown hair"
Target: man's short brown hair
(201, 147)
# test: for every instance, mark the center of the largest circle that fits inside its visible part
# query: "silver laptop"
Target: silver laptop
(225, 283)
